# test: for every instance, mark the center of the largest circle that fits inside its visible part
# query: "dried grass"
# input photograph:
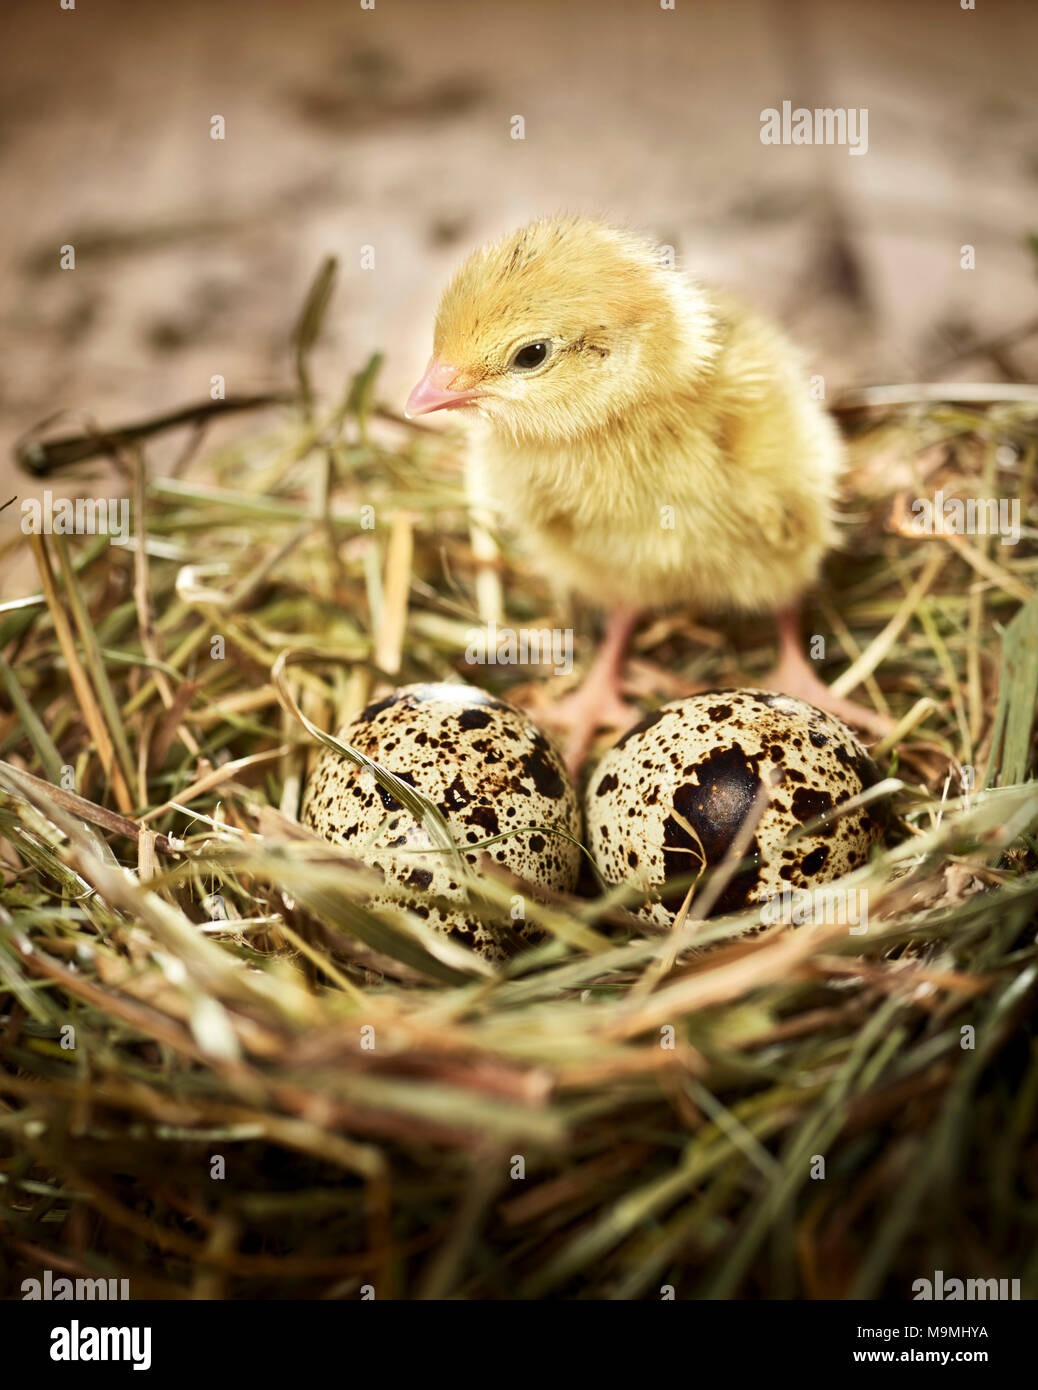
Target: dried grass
(224, 978)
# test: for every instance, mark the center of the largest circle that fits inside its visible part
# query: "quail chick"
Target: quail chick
(654, 442)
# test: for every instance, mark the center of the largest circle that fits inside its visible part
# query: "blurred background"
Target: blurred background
(390, 128)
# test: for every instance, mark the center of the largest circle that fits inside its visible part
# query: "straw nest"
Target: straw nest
(223, 1075)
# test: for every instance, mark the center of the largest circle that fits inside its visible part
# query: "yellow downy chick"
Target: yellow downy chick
(653, 441)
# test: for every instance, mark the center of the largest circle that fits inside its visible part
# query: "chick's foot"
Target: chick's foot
(794, 675)
(598, 703)
(595, 705)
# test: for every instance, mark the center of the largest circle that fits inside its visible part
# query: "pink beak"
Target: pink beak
(434, 392)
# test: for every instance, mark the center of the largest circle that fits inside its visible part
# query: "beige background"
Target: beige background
(391, 128)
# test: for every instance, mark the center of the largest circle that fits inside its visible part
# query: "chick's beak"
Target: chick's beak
(434, 391)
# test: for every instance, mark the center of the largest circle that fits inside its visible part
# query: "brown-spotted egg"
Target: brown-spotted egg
(488, 770)
(666, 801)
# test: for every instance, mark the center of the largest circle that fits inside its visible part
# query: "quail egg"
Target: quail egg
(486, 767)
(666, 801)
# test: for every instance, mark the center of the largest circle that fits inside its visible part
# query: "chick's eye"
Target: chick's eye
(530, 356)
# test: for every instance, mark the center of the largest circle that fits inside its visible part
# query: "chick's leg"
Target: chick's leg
(794, 675)
(597, 701)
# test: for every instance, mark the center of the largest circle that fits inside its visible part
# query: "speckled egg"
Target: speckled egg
(486, 767)
(666, 801)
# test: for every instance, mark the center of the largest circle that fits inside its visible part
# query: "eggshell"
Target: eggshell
(667, 799)
(486, 767)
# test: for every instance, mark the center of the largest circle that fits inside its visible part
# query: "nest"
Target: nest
(224, 1075)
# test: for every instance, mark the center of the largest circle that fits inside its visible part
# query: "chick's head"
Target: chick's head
(557, 328)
